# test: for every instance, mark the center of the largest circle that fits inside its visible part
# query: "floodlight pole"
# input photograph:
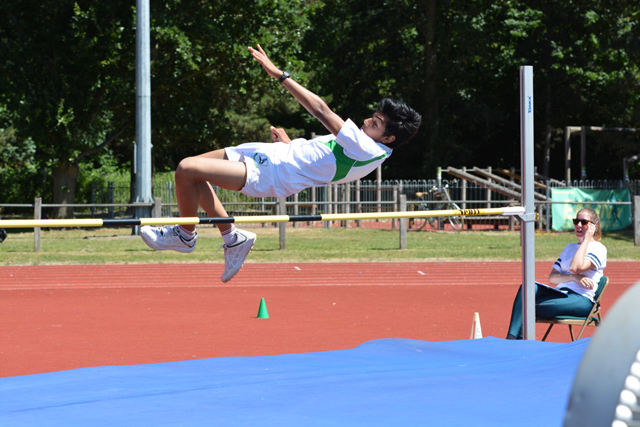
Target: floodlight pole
(528, 219)
(142, 157)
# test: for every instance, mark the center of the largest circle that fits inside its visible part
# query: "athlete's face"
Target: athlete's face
(374, 127)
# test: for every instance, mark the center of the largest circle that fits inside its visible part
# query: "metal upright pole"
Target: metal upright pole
(528, 219)
(143, 146)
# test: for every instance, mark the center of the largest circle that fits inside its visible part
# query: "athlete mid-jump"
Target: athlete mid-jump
(281, 168)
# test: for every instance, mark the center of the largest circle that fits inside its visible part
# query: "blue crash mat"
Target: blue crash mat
(390, 382)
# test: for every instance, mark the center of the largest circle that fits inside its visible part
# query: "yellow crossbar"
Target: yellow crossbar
(64, 223)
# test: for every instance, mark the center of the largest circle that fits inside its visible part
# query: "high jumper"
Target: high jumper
(281, 168)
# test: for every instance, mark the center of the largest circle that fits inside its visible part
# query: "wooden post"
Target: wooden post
(37, 214)
(567, 155)
(282, 226)
(329, 203)
(157, 207)
(358, 205)
(636, 220)
(313, 210)
(394, 221)
(170, 186)
(583, 153)
(489, 193)
(464, 198)
(540, 217)
(296, 208)
(547, 206)
(403, 222)
(347, 198)
(511, 218)
(463, 205)
(379, 189)
(336, 198)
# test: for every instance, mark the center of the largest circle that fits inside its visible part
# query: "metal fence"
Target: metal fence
(355, 197)
(113, 201)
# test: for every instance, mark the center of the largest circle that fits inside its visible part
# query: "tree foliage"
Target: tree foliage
(69, 80)
(66, 66)
(457, 62)
(17, 166)
(207, 90)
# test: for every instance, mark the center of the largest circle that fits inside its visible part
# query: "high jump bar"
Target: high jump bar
(126, 222)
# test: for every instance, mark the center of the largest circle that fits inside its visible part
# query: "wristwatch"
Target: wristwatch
(284, 77)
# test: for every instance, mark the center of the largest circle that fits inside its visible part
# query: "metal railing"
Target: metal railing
(112, 201)
(357, 197)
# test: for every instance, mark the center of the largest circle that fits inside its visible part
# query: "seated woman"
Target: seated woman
(576, 275)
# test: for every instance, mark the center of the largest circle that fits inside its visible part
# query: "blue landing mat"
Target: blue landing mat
(390, 382)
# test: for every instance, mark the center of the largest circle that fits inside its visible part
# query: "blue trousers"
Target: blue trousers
(549, 304)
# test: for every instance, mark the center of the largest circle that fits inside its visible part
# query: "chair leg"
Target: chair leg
(571, 332)
(547, 333)
(587, 323)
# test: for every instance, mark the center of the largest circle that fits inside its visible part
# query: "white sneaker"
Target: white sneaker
(236, 253)
(167, 237)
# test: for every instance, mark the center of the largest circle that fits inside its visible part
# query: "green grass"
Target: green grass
(118, 246)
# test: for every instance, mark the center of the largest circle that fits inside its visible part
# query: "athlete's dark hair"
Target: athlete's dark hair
(402, 121)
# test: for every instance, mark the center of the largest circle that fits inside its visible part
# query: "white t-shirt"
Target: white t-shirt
(302, 163)
(596, 253)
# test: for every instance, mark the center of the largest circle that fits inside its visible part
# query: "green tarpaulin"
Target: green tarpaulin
(612, 217)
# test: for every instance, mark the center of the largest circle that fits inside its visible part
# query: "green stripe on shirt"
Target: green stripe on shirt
(345, 163)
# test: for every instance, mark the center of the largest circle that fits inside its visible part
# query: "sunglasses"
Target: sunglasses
(577, 221)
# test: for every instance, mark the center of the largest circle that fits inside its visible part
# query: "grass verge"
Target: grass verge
(119, 246)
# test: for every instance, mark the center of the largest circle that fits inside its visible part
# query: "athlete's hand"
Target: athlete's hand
(279, 135)
(266, 63)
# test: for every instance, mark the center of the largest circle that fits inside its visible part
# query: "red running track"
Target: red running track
(64, 317)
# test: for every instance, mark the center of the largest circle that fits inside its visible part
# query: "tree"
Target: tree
(69, 77)
(207, 92)
(582, 51)
(66, 81)
(457, 63)
(17, 166)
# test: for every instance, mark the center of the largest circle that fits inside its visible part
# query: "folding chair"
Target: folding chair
(593, 319)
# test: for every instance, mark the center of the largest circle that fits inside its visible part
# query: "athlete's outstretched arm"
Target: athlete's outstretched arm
(309, 100)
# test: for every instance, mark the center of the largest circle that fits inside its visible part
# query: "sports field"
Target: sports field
(69, 316)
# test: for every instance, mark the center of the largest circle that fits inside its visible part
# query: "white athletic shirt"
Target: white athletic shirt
(596, 253)
(302, 163)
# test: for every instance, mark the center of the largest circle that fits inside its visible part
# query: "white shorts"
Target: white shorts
(262, 179)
